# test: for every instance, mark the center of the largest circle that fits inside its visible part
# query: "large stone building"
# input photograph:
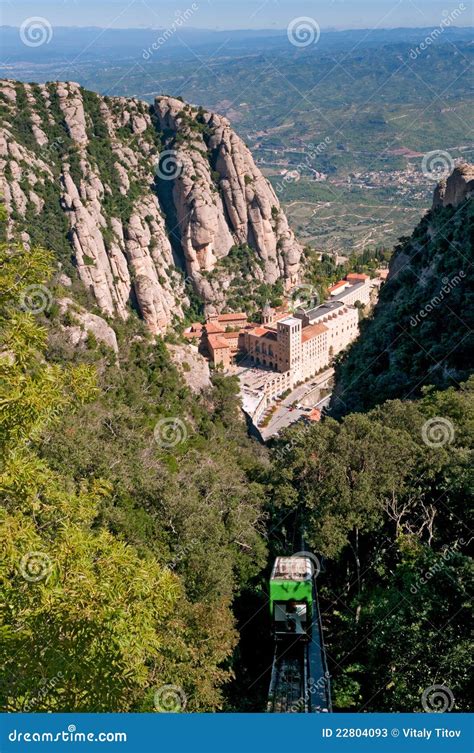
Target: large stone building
(354, 288)
(289, 349)
(220, 337)
(341, 320)
(297, 347)
(287, 345)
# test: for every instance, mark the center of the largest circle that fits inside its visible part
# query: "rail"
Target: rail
(300, 680)
(288, 686)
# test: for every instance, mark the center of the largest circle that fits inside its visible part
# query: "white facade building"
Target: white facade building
(293, 349)
(341, 321)
(356, 287)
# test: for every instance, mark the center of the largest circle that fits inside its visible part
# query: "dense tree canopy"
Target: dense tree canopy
(421, 330)
(126, 558)
(120, 558)
(386, 498)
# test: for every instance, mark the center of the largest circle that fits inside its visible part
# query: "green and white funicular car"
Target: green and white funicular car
(291, 596)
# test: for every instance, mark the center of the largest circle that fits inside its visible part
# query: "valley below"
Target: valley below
(346, 162)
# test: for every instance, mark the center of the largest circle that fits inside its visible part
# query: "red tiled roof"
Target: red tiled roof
(232, 317)
(337, 285)
(357, 277)
(213, 329)
(217, 343)
(270, 335)
(313, 330)
(229, 335)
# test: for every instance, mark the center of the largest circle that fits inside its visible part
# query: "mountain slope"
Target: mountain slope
(221, 200)
(421, 332)
(81, 174)
(131, 515)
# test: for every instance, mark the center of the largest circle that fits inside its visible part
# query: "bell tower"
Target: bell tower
(290, 351)
(267, 314)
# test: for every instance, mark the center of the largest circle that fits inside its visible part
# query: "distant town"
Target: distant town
(297, 159)
(284, 362)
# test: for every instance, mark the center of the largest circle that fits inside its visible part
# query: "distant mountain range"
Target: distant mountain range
(297, 109)
(117, 44)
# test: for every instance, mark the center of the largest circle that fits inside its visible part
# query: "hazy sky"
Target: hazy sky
(236, 14)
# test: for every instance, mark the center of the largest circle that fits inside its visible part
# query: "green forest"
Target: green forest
(121, 557)
(384, 496)
(422, 330)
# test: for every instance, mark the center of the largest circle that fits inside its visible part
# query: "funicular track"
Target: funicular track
(289, 680)
(300, 681)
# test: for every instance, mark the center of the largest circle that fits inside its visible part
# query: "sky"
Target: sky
(237, 14)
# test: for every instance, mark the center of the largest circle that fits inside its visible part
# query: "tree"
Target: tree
(88, 622)
(387, 497)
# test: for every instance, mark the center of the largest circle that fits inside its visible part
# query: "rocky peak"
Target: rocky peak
(138, 200)
(457, 187)
(221, 200)
(76, 175)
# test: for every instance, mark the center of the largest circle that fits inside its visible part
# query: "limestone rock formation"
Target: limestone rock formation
(94, 169)
(222, 199)
(458, 186)
(86, 324)
(85, 175)
(192, 365)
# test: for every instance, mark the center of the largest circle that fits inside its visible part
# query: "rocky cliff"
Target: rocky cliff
(421, 331)
(140, 200)
(458, 186)
(221, 199)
